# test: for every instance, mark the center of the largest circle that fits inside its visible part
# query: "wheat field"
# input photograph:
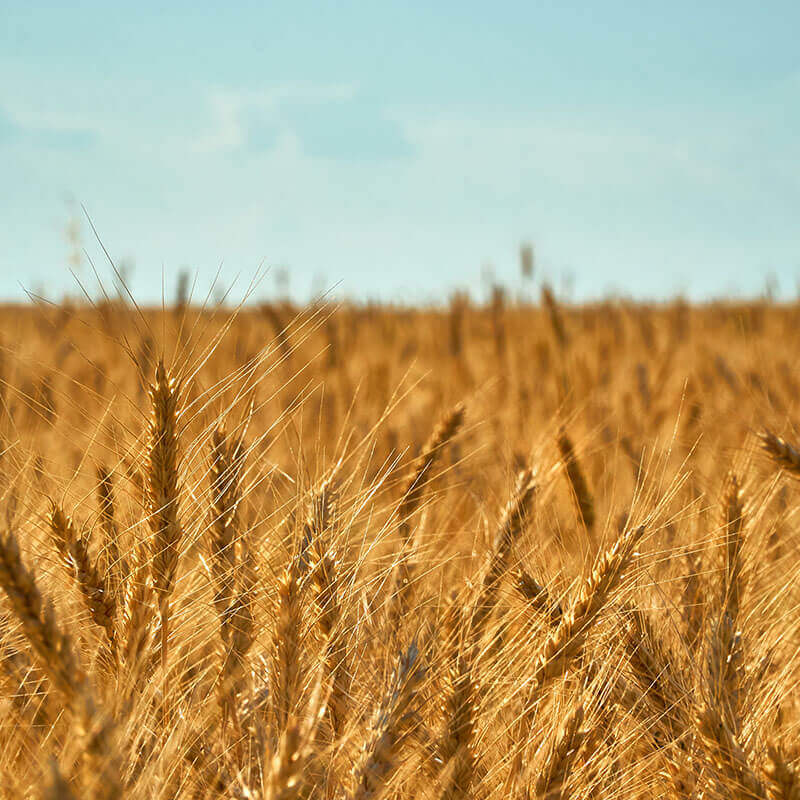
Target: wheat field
(520, 550)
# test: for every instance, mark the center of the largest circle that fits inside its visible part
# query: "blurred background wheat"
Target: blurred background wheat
(512, 550)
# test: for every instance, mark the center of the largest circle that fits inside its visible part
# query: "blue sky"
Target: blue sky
(394, 149)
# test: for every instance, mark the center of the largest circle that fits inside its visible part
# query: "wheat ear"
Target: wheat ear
(781, 774)
(285, 778)
(391, 726)
(566, 642)
(114, 565)
(60, 664)
(726, 755)
(327, 577)
(782, 452)
(725, 655)
(512, 523)
(136, 616)
(556, 318)
(286, 671)
(92, 584)
(538, 597)
(227, 464)
(456, 746)
(52, 646)
(580, 488)
(162, 493)
(418, 478)
(413, 492)
(560, 758)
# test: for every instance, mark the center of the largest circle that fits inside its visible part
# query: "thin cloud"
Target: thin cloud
(55, 136)
(336, 122)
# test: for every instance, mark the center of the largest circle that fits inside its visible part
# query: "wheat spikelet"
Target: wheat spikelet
(580, 488)
(162, 493)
